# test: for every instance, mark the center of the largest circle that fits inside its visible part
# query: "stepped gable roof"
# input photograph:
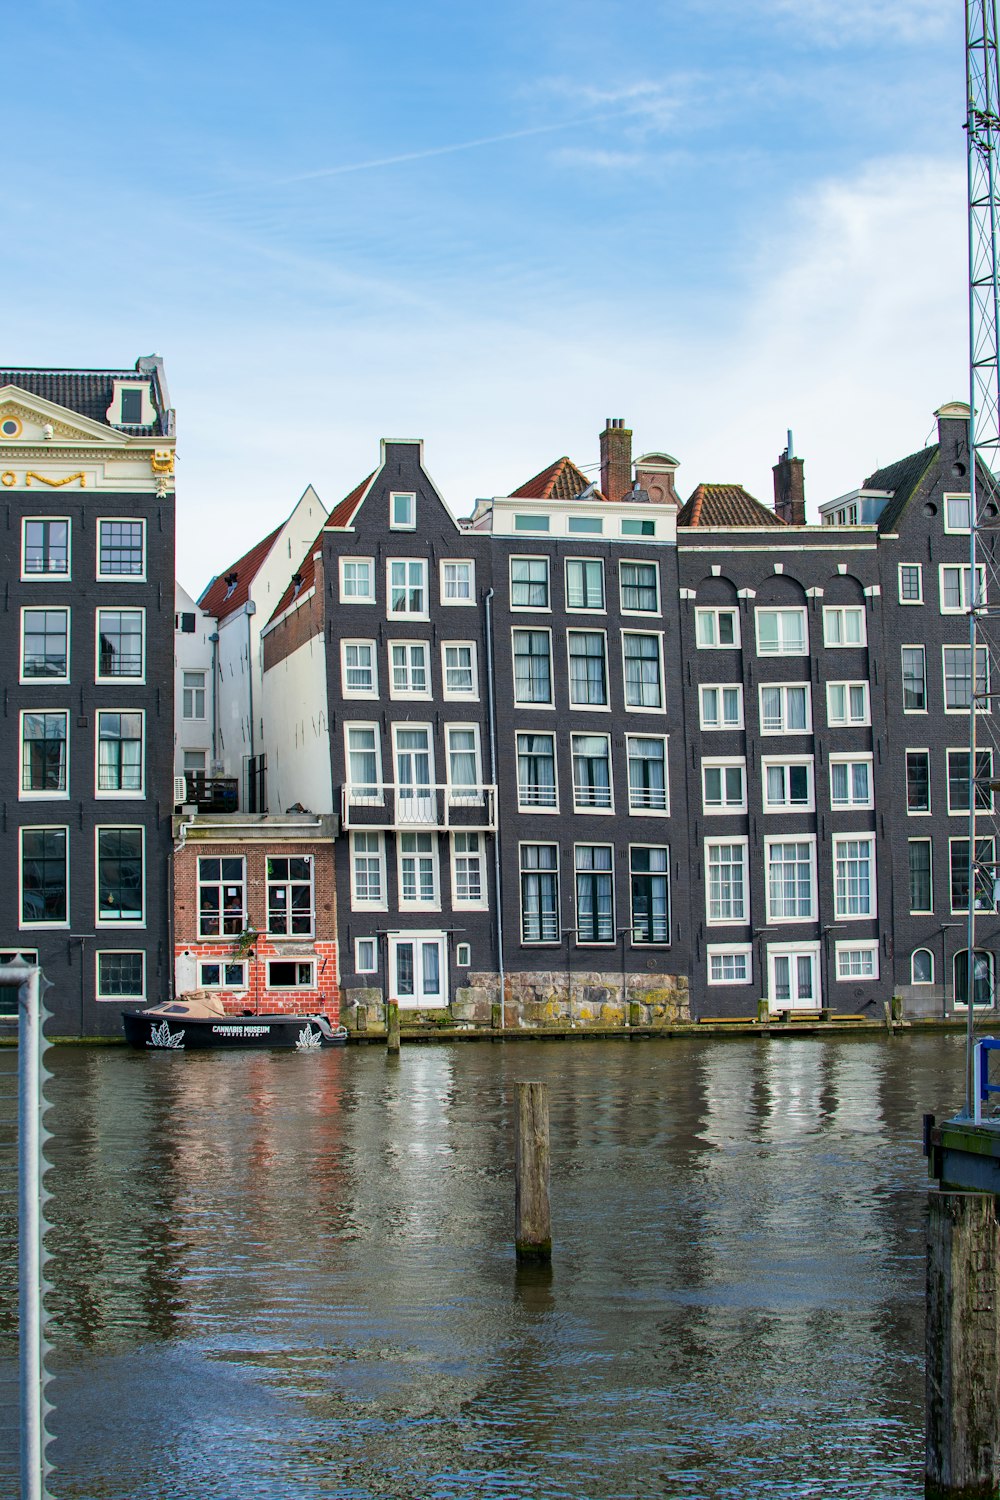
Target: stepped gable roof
(88, 392)
(560, 481)
(343, 514)
(725, 505)
(214, 600)
(901, 478)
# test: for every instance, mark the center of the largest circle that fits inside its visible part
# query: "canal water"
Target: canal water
(292, 1275)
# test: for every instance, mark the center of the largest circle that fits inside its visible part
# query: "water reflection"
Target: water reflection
(295, 1274)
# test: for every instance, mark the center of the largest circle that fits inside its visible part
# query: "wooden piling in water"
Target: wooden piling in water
(532, 1215)
(962, 1394)
(392, 1028)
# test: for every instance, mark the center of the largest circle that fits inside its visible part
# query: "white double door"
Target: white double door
(418, 974)
(793, 976)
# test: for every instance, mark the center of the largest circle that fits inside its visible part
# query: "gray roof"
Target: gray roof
(901, 479)
(88, 392)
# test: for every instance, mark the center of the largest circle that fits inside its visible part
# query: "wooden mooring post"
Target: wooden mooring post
(532, 1215)
(962, 1347)
(392, 1028)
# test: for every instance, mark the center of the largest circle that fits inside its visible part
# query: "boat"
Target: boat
(199, 1019)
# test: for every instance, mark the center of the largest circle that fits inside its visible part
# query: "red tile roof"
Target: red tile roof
(725, 505)
(343, 514)
(560, 481)
(216, 600)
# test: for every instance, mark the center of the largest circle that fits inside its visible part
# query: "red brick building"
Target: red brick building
(255, 915)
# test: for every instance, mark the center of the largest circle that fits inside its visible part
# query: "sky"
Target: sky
(492, 227)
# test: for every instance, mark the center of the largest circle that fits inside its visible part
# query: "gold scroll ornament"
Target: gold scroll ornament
(54, 484)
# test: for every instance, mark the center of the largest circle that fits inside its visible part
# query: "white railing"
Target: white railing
(442, 806)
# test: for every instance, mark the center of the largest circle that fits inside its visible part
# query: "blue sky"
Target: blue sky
(492, 227)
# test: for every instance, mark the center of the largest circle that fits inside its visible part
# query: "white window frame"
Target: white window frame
(783, 688)
(867, 916)
(849, 723)
(585, 609)
(920, 583)
(964, 572)
(288, 911)
(769, 762)
(924, 910)
(456, 796)
(116, 794)
(457, 601)
(364, 903)
(409, 508)
(546, 808)
(351, 599)
(121, 999)
(364, 967)
(649, 812)
(530, 608)
(583, 807)
(27, 577)
(641, 614)
(723, 763)
(472, 696)
(136, 923)
(533, 703)
(791, 838)
(930, 955)
(378, 797)
(858, 758)
(834, 620)
(41, 828)
(917, 812)
(194, 691)
(34, 609)
(957, 495)
(141, 577)
(42, 796)
(611, 873)
(639, 708)
(356, 692)
(463, 903)
(605, 707)
(742, 843)
(463, 955)
(848, 950)
(633, 875)
(222, 936)
(407, 613)
(429, 801)
(222, 963)
(408, 647)
(783, 613)
(522, 870)
(290, 989)
(704, 613)
(723, 951)
(119, 609)
(922, 648)
(720, 688)
(418, 903)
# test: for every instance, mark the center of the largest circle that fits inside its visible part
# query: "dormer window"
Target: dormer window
(403, 512)
(131, 408)
(131, 404)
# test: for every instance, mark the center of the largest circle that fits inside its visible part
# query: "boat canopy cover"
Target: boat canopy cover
(195, 1003)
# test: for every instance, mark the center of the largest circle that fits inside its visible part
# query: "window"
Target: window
(119, 875)
(857, 960)
(43, 754)
(785, 709)
(716, 629)
(357, 580)
(958, 679)
(193, 695)
(595, 915)
(532, 666)
(365, 955)
(44, 877)
(983, 990)
(536, 771)
(45, 644)
(958, 781)
(585, 526)
(918, 781)
(357, 665)
(591, 772)
(540, 893)
(364, 763)
(463, 955)
(588, 668)
(584, 583)
(959, 860)
(119, 752)
(847, 703)
(290, 895)
(291, 974)
(45, 548)
(194, 762)
(407, 587)
(788, 784)
(956, 593)
(221, 897)
(643, 670)
(367, 870)
(417, 870)
(531, 523)
(721, 706)
(851, 781)
(727, 881)
(921, 885)
(468, 886)
(122, 550)
(794, 976)
(723, 785)
(729, 965)
(458, 583)
(957, 513)
(119, 644)
(219, 975)
(781, 632)
(121, 976)
(914, 680)
(131, 408)
(529, 583)
(638, 528)
(416, 796)
(465, 778)
(460, 669)
(844, 626)
(790, 879)
(402, 512)
(649, 871)
(411, 676)
(854, 877)
(639, 585)
(921, 966)
(911, 583)
(647, 773)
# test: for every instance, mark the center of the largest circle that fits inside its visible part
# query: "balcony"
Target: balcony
(211, 794)
(439, 807)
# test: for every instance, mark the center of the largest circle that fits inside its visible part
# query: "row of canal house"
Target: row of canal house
(616, 757)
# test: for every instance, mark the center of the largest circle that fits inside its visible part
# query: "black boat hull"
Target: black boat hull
(163, 1033)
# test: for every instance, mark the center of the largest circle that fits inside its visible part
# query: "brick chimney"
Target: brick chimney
(790, 488)
(616, 459)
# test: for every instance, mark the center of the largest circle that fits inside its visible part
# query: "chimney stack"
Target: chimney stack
(790, 488)
(616, 459)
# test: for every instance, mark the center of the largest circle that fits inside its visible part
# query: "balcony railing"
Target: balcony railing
(216, 794)
(413, 807)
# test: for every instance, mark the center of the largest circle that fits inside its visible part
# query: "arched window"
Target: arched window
(982, 981)
(922, 966)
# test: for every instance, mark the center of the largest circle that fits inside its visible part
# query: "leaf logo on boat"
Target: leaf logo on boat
(308, 1040)
(162, 1036)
